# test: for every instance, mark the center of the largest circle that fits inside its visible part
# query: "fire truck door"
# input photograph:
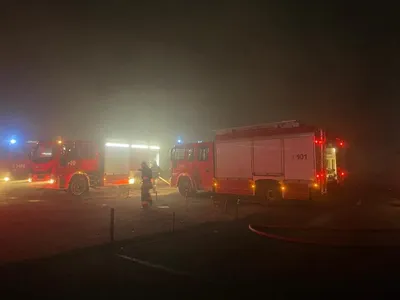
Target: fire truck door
(68, 162)
(205, 167)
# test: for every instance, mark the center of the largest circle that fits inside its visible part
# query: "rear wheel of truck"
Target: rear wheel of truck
(78, 186)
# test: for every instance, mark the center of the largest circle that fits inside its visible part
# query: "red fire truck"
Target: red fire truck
(14, 160)
(75, 166)
(276, 160)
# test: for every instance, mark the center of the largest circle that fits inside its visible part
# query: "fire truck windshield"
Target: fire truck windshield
(177, 154)
(42, 153)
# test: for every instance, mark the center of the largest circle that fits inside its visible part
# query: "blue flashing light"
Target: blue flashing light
(179, 141)
(13, 141)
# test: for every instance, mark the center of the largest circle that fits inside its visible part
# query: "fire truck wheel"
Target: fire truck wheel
(78, 186)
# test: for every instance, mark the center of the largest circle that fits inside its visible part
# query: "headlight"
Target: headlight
(131, 180)
(52, 179)
(6, 179)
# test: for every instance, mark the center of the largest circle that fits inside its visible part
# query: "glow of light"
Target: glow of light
(334, 150)
(283, 188)
(13, 141)
(154, 147)
(117, 145)
(51, 181)
(59, 142)
(131, 180)
(342, 173)
(6, 179)
(46, 153)
(316, 185)
(29, 179)
(140, 146)
(179, 141)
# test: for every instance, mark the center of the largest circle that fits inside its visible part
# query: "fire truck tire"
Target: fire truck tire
(78, 186)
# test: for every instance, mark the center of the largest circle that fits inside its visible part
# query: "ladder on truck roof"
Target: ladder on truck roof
(281, 124)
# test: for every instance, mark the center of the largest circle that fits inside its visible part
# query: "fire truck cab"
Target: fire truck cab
(14, 160)
(193, 167)
(72, 166)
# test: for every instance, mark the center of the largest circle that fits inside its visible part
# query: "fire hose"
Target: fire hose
(164, 180)
(259, 230)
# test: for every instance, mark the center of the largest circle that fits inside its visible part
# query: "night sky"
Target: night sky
(161, 69)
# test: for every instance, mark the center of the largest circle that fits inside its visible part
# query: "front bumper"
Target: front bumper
(45, 181)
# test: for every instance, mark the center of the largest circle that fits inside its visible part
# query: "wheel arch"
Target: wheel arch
(185, 176)
(78, 173)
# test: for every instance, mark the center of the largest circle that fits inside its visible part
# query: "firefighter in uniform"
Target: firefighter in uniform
(146, 185)
(156, 170)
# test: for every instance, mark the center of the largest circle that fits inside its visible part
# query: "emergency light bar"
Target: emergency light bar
(135, 146)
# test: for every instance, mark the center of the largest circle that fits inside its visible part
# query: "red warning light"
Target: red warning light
(341, 144)
(342, 173)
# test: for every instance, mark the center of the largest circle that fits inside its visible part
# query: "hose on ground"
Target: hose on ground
(261, 231)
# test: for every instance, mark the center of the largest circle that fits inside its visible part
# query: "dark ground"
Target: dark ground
(221, 259)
